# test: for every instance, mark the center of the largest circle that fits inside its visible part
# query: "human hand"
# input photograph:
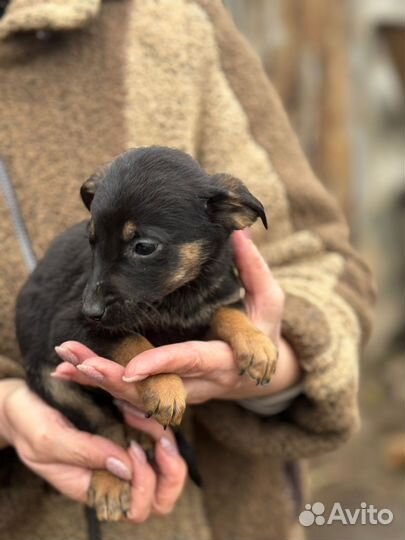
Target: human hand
(51, 447)
(208, 368)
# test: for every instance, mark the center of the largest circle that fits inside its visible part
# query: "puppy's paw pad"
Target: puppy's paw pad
(109, 496)
(256, 355)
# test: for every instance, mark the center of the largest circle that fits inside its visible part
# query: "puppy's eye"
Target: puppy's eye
(145, 248)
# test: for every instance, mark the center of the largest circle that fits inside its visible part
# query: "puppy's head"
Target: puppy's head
(156, 220)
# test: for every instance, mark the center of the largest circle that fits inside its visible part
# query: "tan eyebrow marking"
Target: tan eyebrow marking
(128, 231)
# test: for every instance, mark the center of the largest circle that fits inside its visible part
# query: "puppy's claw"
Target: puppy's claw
(165, 396)
(256, 355)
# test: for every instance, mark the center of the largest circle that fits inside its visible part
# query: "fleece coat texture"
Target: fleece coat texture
(80, 82)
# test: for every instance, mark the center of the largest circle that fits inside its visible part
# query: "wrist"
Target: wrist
(7, 388)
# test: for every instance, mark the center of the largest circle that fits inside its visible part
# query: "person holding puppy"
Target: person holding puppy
(80, 82)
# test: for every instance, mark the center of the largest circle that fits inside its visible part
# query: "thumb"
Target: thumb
(253, 269)
(54, 440)
(91, 452)
(264, 298)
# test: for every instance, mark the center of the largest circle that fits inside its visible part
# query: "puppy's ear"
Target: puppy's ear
(231, 203)
(89, 188)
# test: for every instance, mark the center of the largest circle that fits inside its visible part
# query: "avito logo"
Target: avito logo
(367, 514)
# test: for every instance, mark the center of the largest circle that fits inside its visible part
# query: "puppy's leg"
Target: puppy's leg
(255, 353)
(163, 396)
(107, 494)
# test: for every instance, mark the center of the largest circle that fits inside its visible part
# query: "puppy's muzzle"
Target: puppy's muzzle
(94, 306)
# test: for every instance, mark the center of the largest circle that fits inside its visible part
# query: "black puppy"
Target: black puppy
(153, 266)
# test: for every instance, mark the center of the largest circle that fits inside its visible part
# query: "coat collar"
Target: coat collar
(52, 15)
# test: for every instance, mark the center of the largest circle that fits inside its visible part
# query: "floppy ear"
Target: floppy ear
(89, 187)
(232, 204)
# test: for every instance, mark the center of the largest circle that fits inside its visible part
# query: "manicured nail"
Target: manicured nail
(66, 354)
(129, 409)
(137, 452)
(90, 371)
(133, 378)
(116, 467)
(57, 375)
(168, 446)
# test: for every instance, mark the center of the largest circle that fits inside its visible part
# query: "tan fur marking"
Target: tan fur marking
(109, 496)
(129, 347)
(163, 396)
(241, 221)
(128, 231)
(255, 352)
(190, 255)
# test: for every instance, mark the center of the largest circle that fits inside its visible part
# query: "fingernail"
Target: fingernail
(66, 354)
(168, 446)
(137, 452)
(116, 467)
(133, 378)
(57, 375)
(129, 409)
(90, 371)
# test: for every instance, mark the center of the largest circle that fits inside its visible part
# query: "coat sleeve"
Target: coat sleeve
(329, 292)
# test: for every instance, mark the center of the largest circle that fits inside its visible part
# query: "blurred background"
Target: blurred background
(339, 66)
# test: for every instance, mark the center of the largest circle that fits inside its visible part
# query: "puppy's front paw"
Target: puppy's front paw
(109, 496)
(256, 355)
(164, 398)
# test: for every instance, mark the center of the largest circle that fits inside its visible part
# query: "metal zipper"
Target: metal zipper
(16, 218)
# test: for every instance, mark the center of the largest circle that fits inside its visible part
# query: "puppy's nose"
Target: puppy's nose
(94, 309)
(93, 303)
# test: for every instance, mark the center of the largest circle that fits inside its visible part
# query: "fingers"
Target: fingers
(87, 369)
(188, 359)
(73, 482)
(73, 447)
(74, 352)
(264, 296)
(253, 269)
(172, 470)
(172, 477)
(153, 490)
(55, 440)
(143, 485)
